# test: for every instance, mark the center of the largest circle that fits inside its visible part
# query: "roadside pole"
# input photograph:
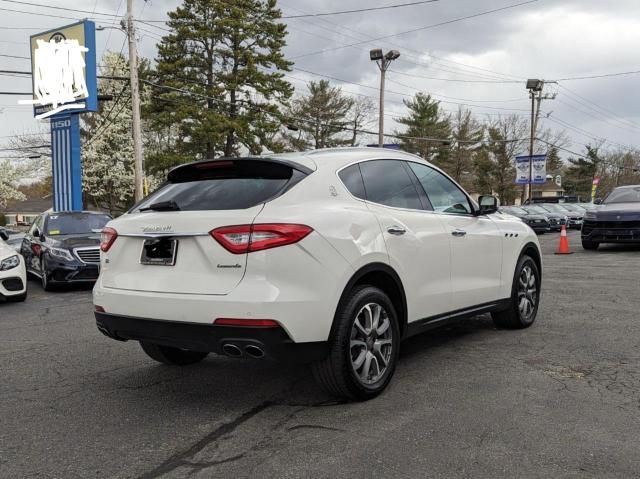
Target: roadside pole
(135, 105)
(534, 86)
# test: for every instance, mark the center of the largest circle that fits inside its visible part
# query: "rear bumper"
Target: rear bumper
(275, 342)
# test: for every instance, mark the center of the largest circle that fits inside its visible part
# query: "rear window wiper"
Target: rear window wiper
(162, 206)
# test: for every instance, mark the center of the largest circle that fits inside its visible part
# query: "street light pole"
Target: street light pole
(383, 62)
(383, 72)
(534, 86)
(533, 134)
(135, 105)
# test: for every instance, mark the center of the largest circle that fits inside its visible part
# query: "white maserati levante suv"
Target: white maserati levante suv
(331, 257)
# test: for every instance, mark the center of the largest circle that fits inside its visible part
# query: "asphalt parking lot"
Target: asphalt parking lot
(561, 399)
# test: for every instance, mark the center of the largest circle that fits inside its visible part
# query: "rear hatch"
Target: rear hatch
(164, 243)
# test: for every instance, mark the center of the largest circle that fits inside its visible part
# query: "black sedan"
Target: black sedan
(64, 247)
(574, 219)
(538, 223)
(556, 220)
(615, 220)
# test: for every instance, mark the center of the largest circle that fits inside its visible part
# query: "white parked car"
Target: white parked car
(13, 275)
(331, 256)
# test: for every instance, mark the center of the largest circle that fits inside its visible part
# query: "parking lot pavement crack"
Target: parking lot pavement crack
(182, 458)
(315, 426)
(197, 467)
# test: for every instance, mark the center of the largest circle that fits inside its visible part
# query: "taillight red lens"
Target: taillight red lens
(247, 323)
(107, 238)
(248, 238)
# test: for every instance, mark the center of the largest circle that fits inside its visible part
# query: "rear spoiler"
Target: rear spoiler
(190, 170)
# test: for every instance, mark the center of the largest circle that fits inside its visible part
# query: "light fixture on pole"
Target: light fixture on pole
(383, 61)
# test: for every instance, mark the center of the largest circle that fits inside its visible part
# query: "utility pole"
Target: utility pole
(535, 88)
(135, 105)
(383, 62)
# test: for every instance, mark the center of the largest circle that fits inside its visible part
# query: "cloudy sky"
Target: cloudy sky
(481, 62)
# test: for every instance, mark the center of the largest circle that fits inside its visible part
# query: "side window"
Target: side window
(387, 182)
(352, 179)
(443, 193)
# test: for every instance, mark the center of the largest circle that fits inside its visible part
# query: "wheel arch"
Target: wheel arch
(531, 249)
(381, 276)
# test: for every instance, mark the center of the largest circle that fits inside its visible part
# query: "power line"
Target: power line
(455, 71)
(459, 99)
(15, 56)
(50, 15)
(434, 25)
(404, 47)
(262, 107)
(415, 75)
(56, 7)
(604, 75)
(401, 94)
(596, 107)
(370, 9)
(21, 148)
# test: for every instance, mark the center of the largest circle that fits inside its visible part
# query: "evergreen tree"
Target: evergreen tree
(322, 117)
(494, 166)
(224, 62)
(554, 162)
(579, 175)
(425, 120)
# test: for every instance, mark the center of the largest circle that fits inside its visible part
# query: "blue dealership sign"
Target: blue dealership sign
(538, 169)
(67, 170)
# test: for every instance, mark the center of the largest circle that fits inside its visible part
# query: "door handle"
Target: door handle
(459, 233)
(396, 230)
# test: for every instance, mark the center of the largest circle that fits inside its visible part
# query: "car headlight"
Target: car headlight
(60, 253)
(9, 263)
(590, 215)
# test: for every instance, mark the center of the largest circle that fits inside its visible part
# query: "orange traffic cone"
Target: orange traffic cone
(563, 248)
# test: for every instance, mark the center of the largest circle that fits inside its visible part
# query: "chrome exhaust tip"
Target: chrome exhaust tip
(254, 351)
(232, 350)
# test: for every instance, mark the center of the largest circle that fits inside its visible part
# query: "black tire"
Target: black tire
(513, 317)
(336, 372)
(172, 356)
(590, 245)
(44, 278)
(18, 298)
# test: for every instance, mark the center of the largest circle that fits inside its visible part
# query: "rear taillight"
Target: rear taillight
(107, 239)
(248, 238)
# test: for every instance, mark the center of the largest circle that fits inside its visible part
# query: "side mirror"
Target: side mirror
(36, 233)
(4, 235)
(597, 201)
(488, 204)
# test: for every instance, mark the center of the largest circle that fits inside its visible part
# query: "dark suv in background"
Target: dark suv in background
(64, 247)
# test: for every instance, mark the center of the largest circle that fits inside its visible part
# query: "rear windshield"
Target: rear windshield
(222, 185)
(75, 224)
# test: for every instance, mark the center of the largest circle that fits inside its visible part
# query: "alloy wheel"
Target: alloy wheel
(371, 343)
(527, 293)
